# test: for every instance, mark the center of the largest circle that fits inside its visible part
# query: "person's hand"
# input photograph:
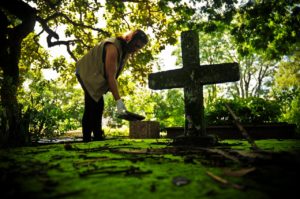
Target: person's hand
(121, 109)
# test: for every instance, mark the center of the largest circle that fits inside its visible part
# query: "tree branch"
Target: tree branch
(51, 33)
(56, 15)
(45, 26)
(66, 43)
(133, 1)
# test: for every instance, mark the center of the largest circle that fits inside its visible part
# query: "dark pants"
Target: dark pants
(92, 118)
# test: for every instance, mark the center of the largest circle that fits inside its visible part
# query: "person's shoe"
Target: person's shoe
(98, 138)
(86, 138)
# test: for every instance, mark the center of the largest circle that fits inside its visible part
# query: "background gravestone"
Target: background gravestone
(191, 78)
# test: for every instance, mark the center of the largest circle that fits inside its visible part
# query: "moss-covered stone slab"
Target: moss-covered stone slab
(151, 168)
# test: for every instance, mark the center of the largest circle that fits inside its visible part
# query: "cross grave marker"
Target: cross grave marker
(191, 77)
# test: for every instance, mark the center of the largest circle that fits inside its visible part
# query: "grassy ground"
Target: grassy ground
(130, 168)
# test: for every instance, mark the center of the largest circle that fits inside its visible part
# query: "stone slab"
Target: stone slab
(255, 131)
(144, 129)
(200, 141)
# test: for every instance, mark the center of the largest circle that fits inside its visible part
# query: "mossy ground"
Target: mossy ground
(151, 168)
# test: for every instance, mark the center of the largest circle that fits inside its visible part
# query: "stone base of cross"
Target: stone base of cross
(191, 77)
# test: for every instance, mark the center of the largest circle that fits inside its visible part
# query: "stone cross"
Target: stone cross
(192, 76)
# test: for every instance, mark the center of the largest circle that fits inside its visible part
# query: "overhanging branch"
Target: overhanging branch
(51, 33)
(57, 15)
(66, 43)
(133, 1)
(45, 26)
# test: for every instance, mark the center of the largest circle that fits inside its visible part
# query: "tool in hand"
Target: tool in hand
(129, 116)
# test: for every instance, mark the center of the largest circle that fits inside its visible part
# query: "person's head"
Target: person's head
(135, 40)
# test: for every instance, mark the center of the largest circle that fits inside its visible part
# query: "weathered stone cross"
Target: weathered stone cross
(192, 77)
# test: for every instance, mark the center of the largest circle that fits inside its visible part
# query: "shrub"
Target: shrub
(250, 110)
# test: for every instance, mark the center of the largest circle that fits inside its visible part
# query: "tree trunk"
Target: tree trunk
(11, 37)
(11, 134)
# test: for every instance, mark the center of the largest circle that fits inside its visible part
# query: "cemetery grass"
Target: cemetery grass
(151, 168)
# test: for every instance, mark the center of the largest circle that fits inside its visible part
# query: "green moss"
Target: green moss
(270, 144)
(129, 168)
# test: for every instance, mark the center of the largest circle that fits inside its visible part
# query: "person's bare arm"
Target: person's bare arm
(111, 69)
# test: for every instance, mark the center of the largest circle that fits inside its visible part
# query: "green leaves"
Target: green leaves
(288, 75)
(51, 107)
(267, 26)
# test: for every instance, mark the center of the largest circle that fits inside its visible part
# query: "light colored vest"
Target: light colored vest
(90, 69)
